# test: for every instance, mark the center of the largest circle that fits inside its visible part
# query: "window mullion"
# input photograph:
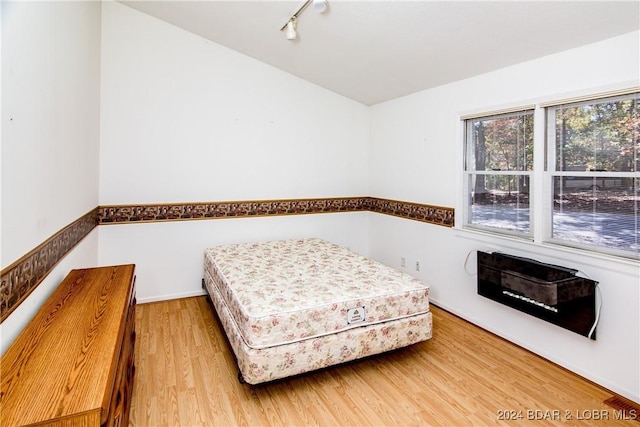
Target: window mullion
(541, 196)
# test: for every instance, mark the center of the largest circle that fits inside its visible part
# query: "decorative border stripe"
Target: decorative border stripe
(235, 209)
(425, 213)
(20, 278)
(124, 214)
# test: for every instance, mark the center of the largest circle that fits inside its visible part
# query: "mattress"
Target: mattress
(281, 292)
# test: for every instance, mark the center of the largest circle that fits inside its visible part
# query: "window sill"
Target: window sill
(550, 252)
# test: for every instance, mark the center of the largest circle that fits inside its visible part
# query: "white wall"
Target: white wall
(416, 153)
(186, 120)
(50, 134)
(169, 256)
(50, 119)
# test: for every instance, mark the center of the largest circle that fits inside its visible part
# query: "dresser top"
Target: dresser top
(64, 360)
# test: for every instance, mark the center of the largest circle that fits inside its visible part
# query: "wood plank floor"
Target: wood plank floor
(186, 376)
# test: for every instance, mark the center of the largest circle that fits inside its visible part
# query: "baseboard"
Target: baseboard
(158, 298)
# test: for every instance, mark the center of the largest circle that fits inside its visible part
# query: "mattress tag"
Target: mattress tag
(355, 315)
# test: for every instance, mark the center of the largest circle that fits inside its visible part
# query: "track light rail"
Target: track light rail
(297, 13)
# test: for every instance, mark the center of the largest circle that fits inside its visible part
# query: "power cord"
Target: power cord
(466, 261)
(598, 308)
(595, 323)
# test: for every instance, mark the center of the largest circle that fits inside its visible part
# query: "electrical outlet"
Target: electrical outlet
(403, 262)
(417, 265)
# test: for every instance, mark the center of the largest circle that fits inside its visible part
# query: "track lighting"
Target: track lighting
(291, 29)
(320, 5)
(292, 34)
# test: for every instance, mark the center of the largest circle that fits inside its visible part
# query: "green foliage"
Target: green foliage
(504, 143)
(601, 136)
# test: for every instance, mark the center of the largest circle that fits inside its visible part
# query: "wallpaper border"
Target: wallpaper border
(162, 212)
(19, 279)
(438, 215)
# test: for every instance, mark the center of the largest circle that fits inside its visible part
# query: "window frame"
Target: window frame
(551, 172)
(469, 173)
(541, 192)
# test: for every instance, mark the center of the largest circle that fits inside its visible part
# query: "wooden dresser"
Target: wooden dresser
(73, 365)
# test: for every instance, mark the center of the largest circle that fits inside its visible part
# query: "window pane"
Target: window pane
(500, 143)
(500, 201)
(590, 211)
(603, 136)
(597, 146)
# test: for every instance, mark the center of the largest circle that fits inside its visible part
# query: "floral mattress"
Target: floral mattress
(293, 306)
(280, 292)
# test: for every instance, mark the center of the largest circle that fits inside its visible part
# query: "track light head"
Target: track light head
(320, 5)
(292, 34)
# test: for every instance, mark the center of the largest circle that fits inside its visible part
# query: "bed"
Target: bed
(298, 305)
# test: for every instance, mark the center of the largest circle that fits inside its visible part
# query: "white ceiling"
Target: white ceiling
(373, 51)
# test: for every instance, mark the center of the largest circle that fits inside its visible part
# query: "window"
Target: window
(587, 185)
(593, 162)
(498, 168)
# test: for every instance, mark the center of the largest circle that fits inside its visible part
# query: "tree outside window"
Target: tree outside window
(595, 173)
(499, 163)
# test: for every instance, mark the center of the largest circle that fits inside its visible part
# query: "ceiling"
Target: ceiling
(374, 51)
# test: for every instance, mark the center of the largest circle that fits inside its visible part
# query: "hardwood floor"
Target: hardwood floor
(186, 376)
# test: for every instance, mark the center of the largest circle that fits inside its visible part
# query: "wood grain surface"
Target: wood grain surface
(64, 362)
(464, 376)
